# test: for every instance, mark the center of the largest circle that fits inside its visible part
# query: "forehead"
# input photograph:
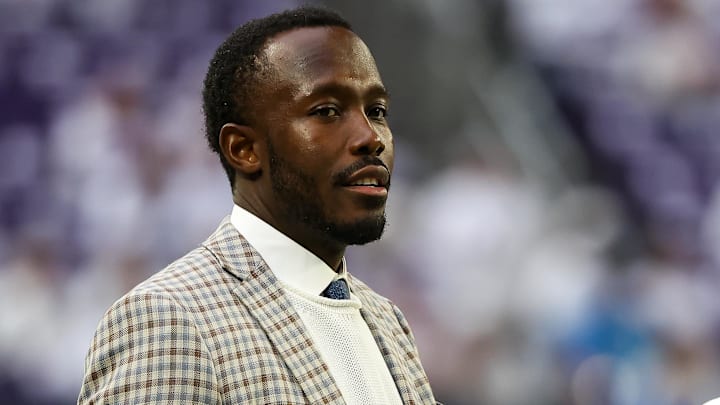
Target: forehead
(305, 57)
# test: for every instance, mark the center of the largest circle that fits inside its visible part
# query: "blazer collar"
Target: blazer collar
(259, 290)
(387, 334)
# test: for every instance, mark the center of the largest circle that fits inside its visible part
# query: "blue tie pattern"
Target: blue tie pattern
(337, 290)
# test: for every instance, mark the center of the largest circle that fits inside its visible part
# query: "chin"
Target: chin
(359, 232)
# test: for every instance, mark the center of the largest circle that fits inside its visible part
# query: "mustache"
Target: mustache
(342, 176)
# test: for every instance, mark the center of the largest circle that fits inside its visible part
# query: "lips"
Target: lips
(369, 176)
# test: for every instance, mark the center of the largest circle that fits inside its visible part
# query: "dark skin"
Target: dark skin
(322, 105)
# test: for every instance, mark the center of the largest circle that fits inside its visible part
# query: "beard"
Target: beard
(298, 193)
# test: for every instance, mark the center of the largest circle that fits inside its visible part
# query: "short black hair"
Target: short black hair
(235, 69)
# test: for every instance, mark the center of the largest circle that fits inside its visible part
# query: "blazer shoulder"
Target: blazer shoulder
(168, 295)
(195, 284)
(187, 278)
(219, 262)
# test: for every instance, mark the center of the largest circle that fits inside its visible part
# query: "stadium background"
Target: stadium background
(555, 218)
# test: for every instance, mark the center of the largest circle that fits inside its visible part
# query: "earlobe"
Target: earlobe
(239, 146)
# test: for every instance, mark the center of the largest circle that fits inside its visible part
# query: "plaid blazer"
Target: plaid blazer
(215, 327)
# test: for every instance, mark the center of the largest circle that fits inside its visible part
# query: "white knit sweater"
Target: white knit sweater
(347, 346)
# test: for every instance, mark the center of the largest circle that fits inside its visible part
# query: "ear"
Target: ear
(240, 147)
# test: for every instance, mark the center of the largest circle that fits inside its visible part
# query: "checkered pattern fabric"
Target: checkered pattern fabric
(215, 327)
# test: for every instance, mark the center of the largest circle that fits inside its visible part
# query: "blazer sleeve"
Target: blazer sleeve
(147, 350)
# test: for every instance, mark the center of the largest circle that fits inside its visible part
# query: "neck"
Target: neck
(318, 243)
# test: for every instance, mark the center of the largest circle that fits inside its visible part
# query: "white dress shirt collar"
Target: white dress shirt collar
(291, 263)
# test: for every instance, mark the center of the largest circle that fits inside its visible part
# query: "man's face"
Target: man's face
(330, 147)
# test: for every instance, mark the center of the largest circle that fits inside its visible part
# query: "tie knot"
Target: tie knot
(337, 290)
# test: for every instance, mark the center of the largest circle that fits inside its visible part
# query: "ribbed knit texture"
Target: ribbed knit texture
(347, 346)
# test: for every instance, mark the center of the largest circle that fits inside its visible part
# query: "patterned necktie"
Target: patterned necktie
(337, 290)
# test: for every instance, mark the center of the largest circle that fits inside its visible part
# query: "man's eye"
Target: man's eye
(326, 112)
(377, 112)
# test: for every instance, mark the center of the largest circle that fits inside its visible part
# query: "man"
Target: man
(265, 310)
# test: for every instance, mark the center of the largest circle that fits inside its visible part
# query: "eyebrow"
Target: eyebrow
(375, 91)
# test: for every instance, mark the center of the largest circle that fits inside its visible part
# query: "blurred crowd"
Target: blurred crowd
(554, 223)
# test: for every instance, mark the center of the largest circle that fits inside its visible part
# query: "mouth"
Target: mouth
(370, 180)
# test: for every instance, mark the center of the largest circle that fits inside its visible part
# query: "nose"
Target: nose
(367, 139)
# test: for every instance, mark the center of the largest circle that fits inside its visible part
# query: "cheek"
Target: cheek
(305, 143)
(317, 143)
(293, 142)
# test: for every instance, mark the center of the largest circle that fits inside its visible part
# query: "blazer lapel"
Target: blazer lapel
(384, 331)
(260, 292)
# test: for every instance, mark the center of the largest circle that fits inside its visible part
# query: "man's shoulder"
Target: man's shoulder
(182, 282)
(200, 269)
(194, 292)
